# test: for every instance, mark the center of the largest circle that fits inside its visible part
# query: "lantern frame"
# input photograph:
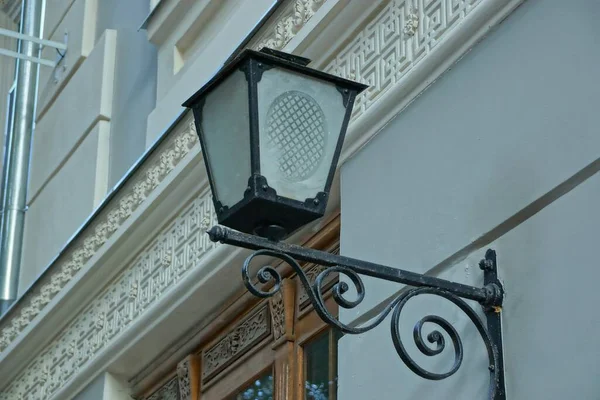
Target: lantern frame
(262, 210)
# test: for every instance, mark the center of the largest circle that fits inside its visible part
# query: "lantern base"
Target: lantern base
(264, 213)
(268, 218)
(271, 232)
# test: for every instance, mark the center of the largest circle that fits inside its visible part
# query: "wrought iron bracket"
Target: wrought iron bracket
(490, 296)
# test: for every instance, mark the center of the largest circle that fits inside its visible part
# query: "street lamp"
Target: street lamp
(271, 131)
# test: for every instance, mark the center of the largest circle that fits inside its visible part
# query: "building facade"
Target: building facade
(477, 131)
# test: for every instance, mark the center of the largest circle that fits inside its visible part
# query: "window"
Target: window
(261, 388)
(320, 367)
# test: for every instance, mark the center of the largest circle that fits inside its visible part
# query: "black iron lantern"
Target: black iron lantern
(271, 130)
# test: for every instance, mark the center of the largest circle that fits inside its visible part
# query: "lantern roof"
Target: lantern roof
(279, 59)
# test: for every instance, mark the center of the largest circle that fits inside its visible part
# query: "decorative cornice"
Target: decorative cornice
(115, 309)
(164, 262)
(380, 55)
(411, 24)
(295, 15)
(290, 22)
(160, 164)
(398, 37)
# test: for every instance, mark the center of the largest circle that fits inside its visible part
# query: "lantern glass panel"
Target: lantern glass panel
(300, 119)
(226, 133)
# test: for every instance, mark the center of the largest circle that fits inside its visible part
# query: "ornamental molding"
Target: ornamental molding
(185, 379)
(381, 54)
(115, 309)
(170, 391)
(237, 342)
(163, 263)
(411, 24)
(183, 385)
(277, 308)
(295, 15)
(396, 39)
(163, 162)
(130, 197)
(312, 271)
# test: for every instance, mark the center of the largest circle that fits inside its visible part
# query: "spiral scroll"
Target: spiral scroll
(436, 337)
(269, 275)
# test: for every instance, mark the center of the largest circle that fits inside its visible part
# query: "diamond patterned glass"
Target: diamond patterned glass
(300, 119)
(296, 128)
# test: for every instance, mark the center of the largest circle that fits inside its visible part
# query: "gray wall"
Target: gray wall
(104, 387)
(93, 391)
(135, 82)
(501, 152)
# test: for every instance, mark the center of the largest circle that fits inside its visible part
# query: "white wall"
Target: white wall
(104, 387)
(506, 132)
(135, 82)
(91, 120)
(194, 41)
(70, 161)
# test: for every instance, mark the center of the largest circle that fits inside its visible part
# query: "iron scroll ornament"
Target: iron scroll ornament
(490, 297)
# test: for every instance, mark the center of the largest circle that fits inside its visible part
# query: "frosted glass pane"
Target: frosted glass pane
(227, 136)
(299, 122)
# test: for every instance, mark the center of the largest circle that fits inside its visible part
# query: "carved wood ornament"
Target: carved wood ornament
(235, 343)
(188, 373)
(170, 391)
(283, 310)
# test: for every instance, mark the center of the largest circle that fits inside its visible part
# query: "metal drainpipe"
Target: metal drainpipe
(16, 158)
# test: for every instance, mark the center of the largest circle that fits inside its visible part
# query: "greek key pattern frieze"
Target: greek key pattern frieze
(295, 15)
(312, 271)
(393, 42)
(144, 281)
(106, 224)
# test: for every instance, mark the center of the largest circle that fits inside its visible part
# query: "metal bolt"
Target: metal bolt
(221, 210)
(265, 187)
(491, 368)
(316, 201)
(260, 65)
(486, 264)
